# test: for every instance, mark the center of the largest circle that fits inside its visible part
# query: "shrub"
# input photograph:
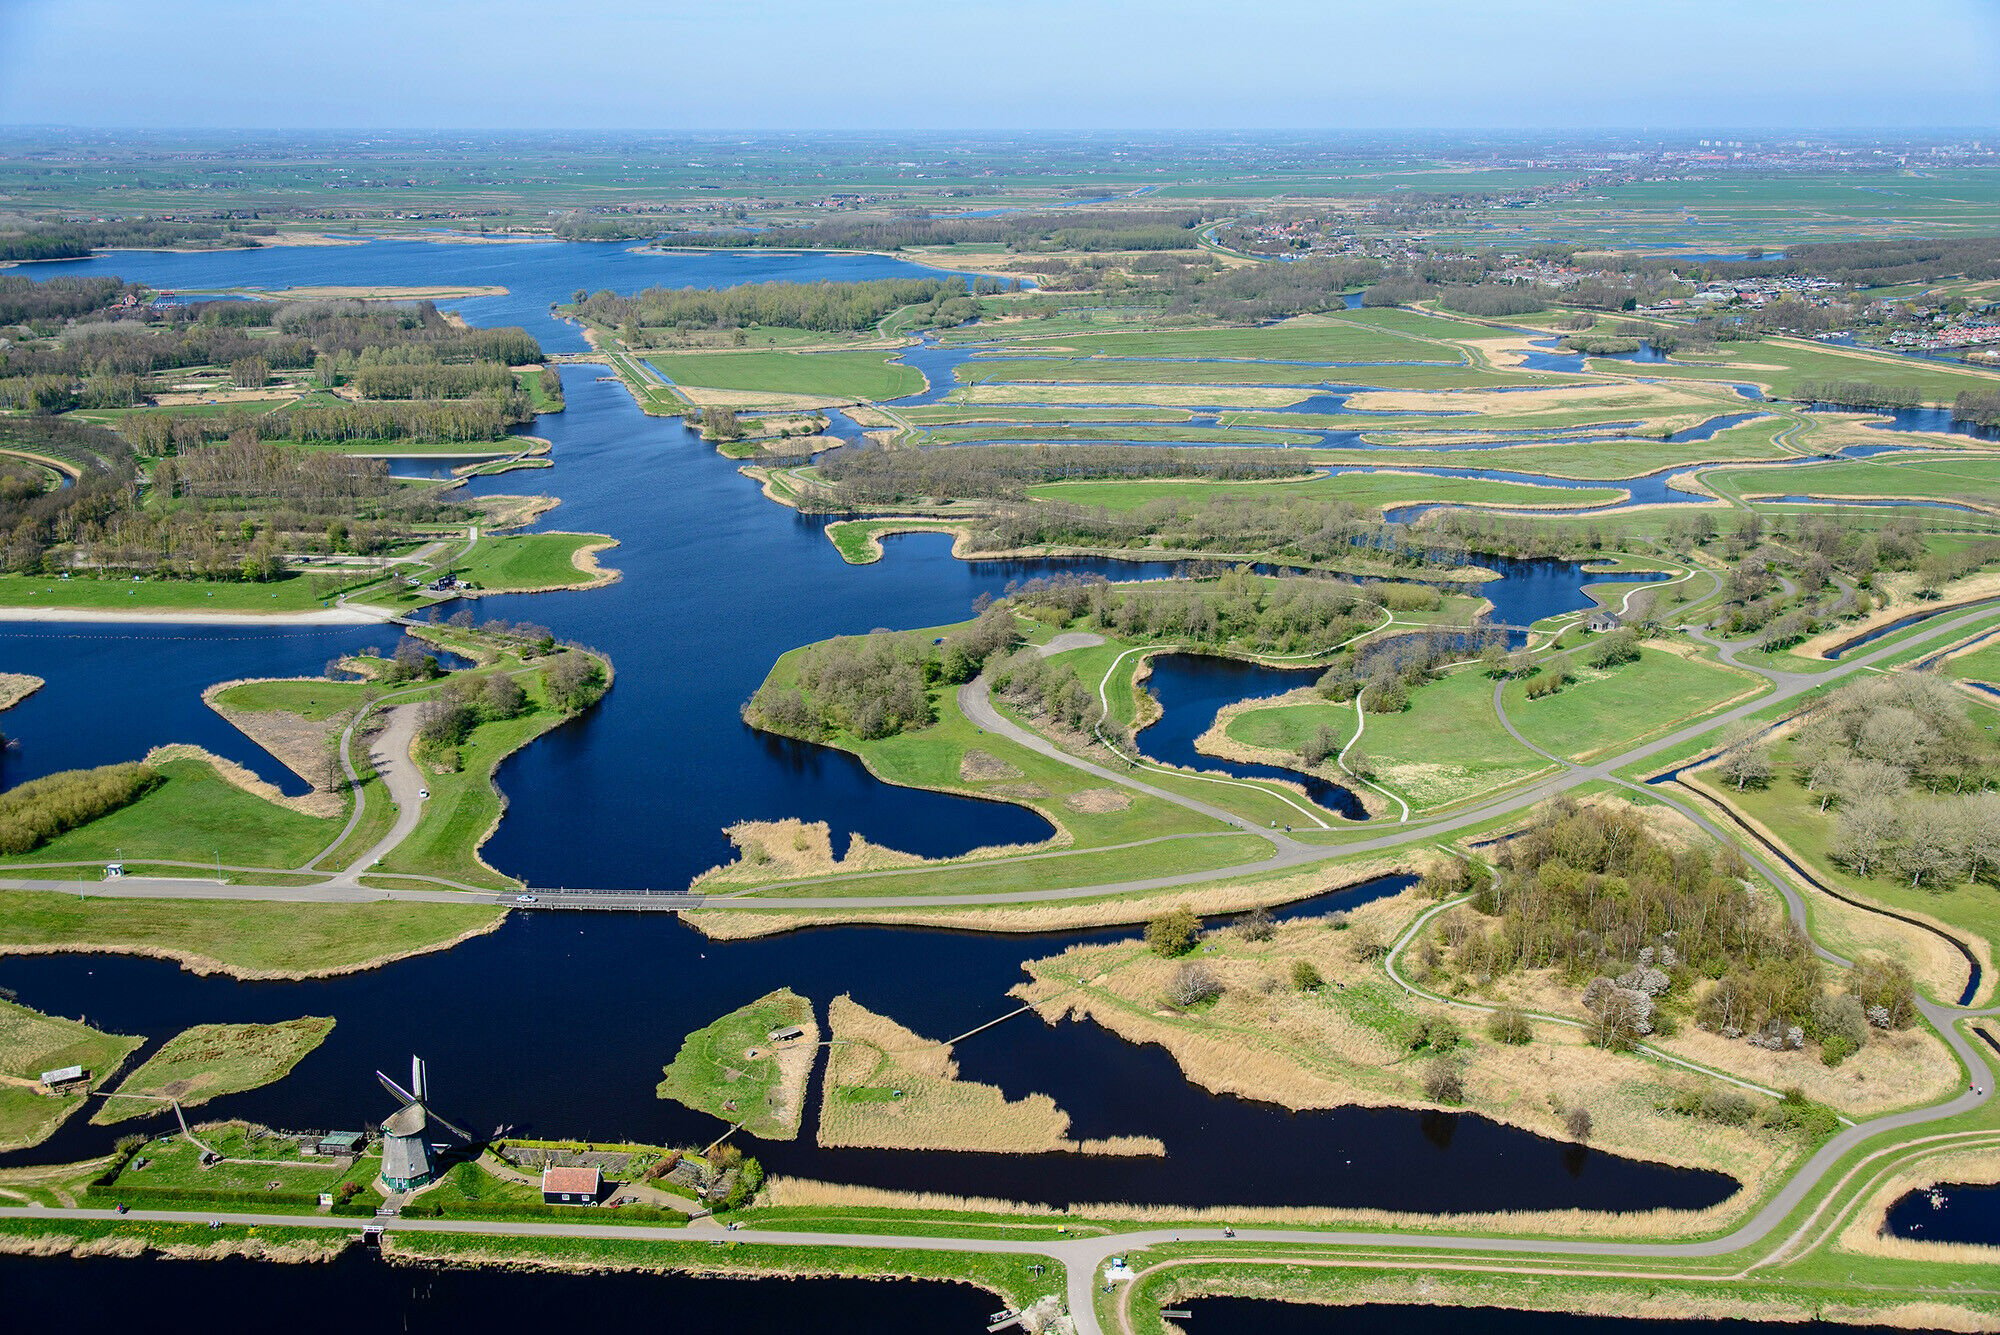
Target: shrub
(1887, 995)
(1438, 1033)
(1191, 985)
(1173, 933)
(1577, 1122)
(1548, 683)
(1723, 1106)
(1444, 1081)
(1837, 1049)
(1800, 1116)
(574, 682)
(1257, 925)
(1509, 1026)
(40, 809)
(1305, 977)
(1620, 646)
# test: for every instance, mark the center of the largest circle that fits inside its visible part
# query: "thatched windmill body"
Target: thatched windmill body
(409, 1155)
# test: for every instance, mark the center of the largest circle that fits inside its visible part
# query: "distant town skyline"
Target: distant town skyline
(1002, 64)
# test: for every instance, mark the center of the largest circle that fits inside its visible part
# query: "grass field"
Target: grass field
(837, 375)
(1926, 476)
(1783, 366)
(1447, 746)
(527, 562)
(1982, 664)
(1625, 704)
(193, 816)
(210, 1060)
(251, 1162)
(291, 593)
(732, 1070)
(1104, 371)
(859, 540)
(1306, 339)
(1370, 489)
(253, 939)
(31, 1043)
(310, 698)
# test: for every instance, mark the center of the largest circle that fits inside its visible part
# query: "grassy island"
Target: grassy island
(751, 1066)
(211, 1060)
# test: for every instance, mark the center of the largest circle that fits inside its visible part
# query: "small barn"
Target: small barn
(66, 1080)
(787, 1033)
(340, 1144)
(1601, 621)
(579, 1185)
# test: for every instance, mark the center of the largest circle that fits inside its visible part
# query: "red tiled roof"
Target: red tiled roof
(570, 1180)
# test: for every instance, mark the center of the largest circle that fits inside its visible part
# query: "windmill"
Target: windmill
(407, 1158)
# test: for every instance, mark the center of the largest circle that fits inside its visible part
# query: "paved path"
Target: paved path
(389, 753)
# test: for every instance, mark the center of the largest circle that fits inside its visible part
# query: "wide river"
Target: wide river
(559, 1024)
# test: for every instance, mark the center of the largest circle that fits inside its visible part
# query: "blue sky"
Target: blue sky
(997, 64)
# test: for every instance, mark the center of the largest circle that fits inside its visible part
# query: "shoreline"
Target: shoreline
(349, 615)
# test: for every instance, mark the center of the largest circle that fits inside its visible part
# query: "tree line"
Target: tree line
(875, 685)
(861, 477)
(1068, 229)
(828, 307)
(42, 239)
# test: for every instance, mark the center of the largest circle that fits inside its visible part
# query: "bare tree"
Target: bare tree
(1191, 985)
(1866, 834)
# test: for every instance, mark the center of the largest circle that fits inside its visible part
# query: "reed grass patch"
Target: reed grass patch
(888, 1088)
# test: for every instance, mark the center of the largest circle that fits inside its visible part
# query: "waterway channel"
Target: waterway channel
(560, 1024)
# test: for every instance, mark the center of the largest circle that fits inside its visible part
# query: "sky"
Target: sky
(1000, 64)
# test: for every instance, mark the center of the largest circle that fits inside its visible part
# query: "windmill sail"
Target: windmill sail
(396, 1091)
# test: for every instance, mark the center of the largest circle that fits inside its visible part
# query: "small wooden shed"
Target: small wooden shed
(66, 1080)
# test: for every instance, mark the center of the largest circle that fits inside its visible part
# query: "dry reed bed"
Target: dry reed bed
(811, 1194)
(302, 745)
(1631, 1300)
(772, 851)
(137, 1245)
(872, 1057)
(1346, 1043)
(742, 924)
(16, 687)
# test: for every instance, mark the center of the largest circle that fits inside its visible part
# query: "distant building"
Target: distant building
(340, 1144)
(571, 1186)
(1600, 621)
(66, 1080)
